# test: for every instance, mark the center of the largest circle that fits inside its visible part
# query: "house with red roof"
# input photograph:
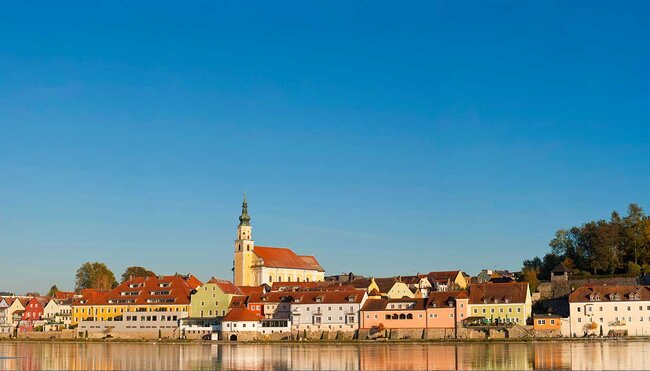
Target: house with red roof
(149, 305)
(255, 265)
(33, 313)
(327, 310)
(610, 310)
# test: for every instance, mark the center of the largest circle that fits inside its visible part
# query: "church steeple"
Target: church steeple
(244, 218)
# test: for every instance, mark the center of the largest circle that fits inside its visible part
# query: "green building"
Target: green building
(212, 299)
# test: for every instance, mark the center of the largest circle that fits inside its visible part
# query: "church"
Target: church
(257, 265)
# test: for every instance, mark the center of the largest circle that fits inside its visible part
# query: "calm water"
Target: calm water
(525, 356)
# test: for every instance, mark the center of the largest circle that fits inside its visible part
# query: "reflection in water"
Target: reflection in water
(504, 356)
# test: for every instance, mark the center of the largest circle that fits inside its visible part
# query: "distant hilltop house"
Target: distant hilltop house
(259, 265)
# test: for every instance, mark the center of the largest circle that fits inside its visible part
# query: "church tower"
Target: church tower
(244, 255)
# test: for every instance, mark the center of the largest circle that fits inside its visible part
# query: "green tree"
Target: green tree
(94, 276)
(633, 268)
(136, 271)
(530, 275)
(53, 291)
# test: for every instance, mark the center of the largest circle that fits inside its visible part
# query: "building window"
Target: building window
(579, 320)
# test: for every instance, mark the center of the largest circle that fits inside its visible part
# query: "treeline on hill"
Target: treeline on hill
(620, 245)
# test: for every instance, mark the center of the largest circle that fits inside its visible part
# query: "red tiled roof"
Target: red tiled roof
(63, 295)
(282, 257)
(382, 304)
(513, 292)
(192, 281)
(238, 301)
(443, 298)
(328, 297)
(272, 297)
(604, 292)
(311, 261)
(89, 296)
(249, 290)
(450, 275)
(163, 290)
(226, 286)
(240, 314)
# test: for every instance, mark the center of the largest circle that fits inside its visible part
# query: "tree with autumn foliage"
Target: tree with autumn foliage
(94, 276)
(618, 245)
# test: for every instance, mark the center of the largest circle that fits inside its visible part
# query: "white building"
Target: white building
(327, 310)
(5, 327)
(58, 314)
(610, 311)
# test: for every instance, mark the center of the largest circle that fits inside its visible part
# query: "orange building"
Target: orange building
(547, 322)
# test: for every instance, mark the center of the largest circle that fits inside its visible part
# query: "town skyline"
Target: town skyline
(384, 139)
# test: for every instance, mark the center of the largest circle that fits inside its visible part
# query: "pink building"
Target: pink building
(394, 314)
(446, 308)
(441, 310)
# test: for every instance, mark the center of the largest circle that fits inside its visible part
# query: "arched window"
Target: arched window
(288, 278)
(402, 316)
(395, 316)
(298, 279)
(279, 278)
(409, 316)
(270, 278)
(388, 316)
(307, 279)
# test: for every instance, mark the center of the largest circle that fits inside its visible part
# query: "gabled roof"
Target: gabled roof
(163, 290)
(383, 304)
(226, 286)
(606, 293)
(440, 299)
(512, 292)
(410, 280)
(249, 290)
(327, 297)
(386, 284)
(192, 281)
(451, 275)
(560, 268)
(271, 297)
(238, 301)
(362, 283)
(312, 262)
(240, 314)
(63, 295)
(89, 296)
(282, 257)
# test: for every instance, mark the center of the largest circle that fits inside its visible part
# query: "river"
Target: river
(633, 355)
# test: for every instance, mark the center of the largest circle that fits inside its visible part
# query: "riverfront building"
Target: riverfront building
(610, 311)
(501, 302)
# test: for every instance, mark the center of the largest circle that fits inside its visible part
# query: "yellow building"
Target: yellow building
(140, 294)
(257, 265)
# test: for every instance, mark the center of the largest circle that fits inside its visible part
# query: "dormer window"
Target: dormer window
(594, 297)
(496, 300)
(506, 300)
(319, 299)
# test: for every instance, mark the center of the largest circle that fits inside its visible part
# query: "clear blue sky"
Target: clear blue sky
(383, 137)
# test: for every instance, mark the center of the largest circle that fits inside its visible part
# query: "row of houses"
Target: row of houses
(25, 314)
(183, 306)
